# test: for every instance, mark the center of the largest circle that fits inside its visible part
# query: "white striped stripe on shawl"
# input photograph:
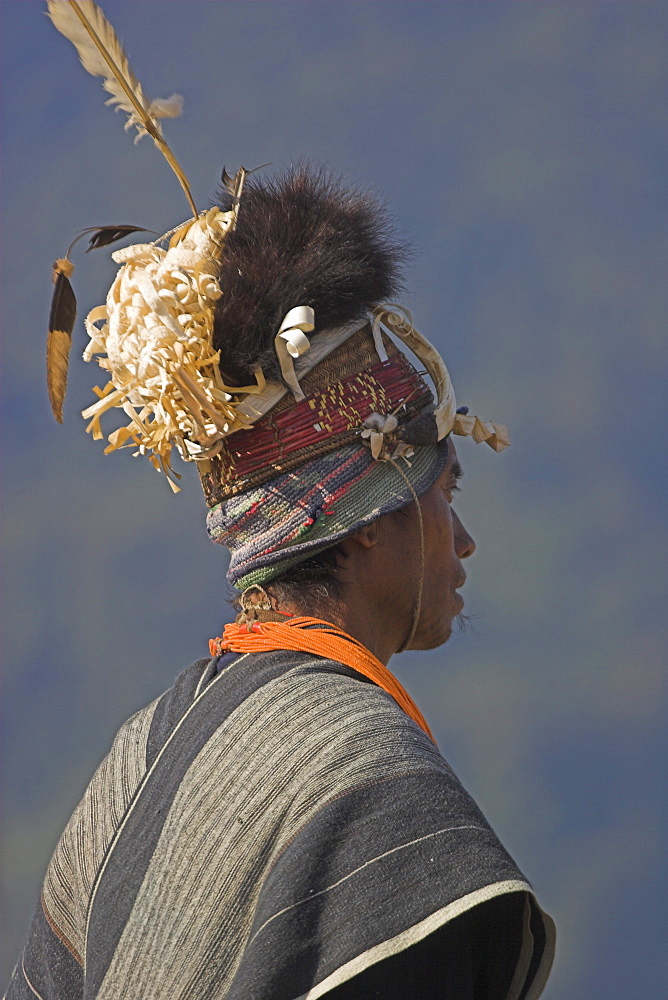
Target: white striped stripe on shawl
(77, 858)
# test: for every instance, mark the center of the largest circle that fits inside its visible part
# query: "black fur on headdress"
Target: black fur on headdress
(302, 238)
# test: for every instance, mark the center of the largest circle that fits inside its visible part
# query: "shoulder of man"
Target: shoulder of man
(294, 713)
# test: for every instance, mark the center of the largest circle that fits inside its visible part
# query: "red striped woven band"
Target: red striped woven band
(339, 407)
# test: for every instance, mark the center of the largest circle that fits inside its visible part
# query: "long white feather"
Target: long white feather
(101, 54)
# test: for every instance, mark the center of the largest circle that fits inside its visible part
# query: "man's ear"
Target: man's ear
(365, 538)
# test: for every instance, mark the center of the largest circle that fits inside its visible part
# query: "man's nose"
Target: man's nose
(464, 544)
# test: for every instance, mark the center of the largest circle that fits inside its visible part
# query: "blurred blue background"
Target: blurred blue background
(522, 147)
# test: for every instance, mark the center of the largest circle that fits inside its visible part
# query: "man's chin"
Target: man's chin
(438, 633)
(432, 638)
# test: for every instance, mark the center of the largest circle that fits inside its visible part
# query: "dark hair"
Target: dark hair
(312, 584)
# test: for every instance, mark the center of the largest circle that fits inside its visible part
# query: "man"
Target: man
(280, 824)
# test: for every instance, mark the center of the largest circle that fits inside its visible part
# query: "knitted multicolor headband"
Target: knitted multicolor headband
(256, 340)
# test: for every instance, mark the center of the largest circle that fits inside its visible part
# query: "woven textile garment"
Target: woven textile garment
(268, 831)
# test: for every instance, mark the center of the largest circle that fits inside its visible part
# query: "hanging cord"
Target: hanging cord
(417, 607)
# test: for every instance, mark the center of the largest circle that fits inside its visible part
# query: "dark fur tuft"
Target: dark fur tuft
(302, 238)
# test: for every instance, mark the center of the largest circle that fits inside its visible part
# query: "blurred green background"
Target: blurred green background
(522, 147)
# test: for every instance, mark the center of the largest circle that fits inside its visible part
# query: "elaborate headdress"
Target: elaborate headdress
(257, 340)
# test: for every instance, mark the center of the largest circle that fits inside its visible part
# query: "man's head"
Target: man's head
(372, 582)
(352, 432)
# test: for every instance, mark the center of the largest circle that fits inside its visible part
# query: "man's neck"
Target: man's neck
(367, 624)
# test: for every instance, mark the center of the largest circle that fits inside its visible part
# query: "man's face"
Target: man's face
(446, 544)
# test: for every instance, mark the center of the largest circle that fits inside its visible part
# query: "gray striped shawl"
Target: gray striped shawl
(264, 832)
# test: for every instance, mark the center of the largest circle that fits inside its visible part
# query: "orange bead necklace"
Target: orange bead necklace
(324, 640)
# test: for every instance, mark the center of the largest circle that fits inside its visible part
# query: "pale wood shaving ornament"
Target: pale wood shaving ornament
(155, 338)
(445, 418)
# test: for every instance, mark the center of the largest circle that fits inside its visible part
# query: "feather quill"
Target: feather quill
(101, 54)
(103, 236)
(64, 311)
(59, 340)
